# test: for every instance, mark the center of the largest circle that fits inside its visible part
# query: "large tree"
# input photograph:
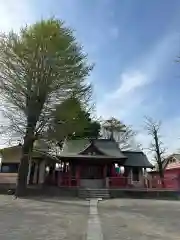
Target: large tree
(40, 67)
(114, 129)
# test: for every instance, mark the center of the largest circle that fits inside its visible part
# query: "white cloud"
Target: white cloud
(123, 101)
(127, 102)
(15, 14)
(126, 98)
(171, 134)
(130, 82)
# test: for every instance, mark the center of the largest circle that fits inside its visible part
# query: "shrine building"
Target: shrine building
(83, 163)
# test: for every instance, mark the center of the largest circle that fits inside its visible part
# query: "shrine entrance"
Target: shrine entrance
(92, 177)
(92, 172)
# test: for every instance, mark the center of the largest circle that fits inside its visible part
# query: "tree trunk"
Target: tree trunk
(161, 172)
(24, 166)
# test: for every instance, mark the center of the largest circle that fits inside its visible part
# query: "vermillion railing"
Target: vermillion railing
(119, 182)
(167, 183)
(171, 183)
(67, 182)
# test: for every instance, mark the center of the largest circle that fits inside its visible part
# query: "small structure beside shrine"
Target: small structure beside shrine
(171, 170)
(10, 160)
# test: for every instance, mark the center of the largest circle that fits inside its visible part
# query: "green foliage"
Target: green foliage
(40, 66)
(68, 118)
(90, 131)
(73, 121)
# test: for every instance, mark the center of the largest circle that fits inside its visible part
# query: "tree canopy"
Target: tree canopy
(91, 129)
(40, 67)
(71, 120)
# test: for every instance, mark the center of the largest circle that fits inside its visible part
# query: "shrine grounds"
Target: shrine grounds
(74, 219)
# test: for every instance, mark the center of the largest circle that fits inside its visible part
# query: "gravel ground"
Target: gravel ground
(125, 219)
(51, 219)
(120, 219)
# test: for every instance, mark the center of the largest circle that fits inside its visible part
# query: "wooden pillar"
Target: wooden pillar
(29, 171)
(141, 179)
(69, 175)
(54, 174)
(35, 173)
(59, 178)
(105, 171)
(77, 175)
(105, 176)
(113, 170)
(41, 172)
(130, 176)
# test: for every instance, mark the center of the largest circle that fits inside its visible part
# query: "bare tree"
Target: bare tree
(124, 135)
(157, 147)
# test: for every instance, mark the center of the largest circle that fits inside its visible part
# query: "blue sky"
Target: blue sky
(134, 45)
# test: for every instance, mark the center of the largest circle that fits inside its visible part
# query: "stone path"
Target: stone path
(94, 231)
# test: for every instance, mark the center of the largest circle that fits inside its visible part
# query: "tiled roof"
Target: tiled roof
(109, 148)
(106, 147)
(136, 159)
(74, 147)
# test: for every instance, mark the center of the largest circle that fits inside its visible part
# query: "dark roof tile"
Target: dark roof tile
(136, 159)
(74, 147)
(109, 148)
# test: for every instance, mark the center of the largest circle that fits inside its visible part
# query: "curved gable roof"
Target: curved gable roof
(107, 147)
(74, 147)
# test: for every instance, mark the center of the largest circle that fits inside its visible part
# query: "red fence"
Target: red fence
(172, 183)
(118, 182)
(65, 182)
(126, 183)
(168, 183)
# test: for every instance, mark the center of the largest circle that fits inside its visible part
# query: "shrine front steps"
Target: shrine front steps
(87, 193)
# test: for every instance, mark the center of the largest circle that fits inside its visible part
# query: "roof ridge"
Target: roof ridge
(132, 151)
